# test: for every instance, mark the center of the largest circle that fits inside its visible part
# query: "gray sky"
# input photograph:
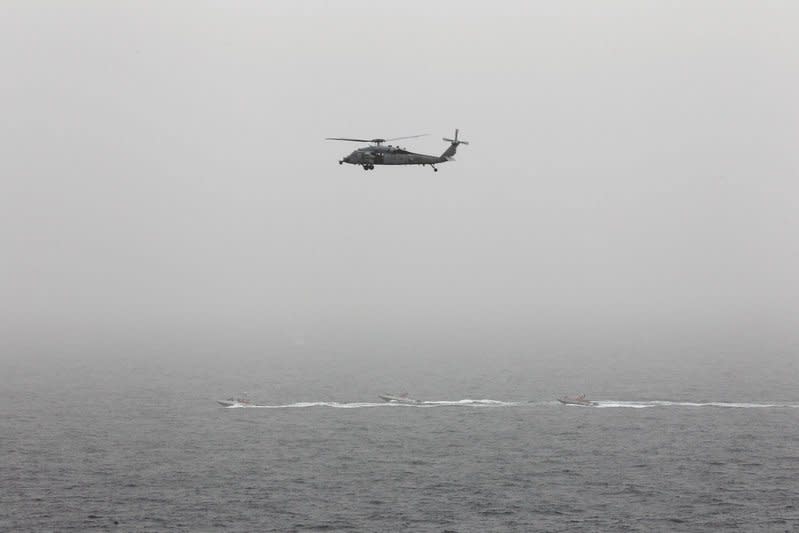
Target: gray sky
(629, 162)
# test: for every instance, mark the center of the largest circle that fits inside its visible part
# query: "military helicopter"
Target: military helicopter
(379, 154)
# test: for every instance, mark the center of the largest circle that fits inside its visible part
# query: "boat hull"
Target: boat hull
(397, 399)
(233, 403)
(572, 401)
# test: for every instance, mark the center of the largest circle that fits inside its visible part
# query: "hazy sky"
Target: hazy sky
(165, 161)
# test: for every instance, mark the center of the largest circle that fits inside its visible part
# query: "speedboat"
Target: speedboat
(577, 400)
(236, 402)
(401, 398)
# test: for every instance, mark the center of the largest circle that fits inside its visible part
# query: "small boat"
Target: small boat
(400, 398)
(577, 400)
(242, 401)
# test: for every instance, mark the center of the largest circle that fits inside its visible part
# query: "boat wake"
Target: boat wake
(598, 404)
(668, 403)
(471, 403)
(360, 405)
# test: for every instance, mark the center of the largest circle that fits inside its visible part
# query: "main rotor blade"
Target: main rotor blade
(376, 141)
(408, 137)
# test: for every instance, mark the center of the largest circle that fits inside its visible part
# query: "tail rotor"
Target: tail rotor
(453, 147)
(455, 141)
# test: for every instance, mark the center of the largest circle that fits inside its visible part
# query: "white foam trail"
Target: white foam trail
(359, 405)
(630, 404)
(335, 405)
(475, 403)
(667, 403)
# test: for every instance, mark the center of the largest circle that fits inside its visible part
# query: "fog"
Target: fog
(631, 177)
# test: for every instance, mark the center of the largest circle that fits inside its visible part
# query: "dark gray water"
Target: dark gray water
(137, 442)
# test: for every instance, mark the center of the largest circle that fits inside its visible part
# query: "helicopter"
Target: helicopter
(377, 153)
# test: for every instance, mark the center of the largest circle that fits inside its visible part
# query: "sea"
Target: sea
(127, 435)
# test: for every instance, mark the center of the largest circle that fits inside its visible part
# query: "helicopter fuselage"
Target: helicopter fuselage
(389, 155)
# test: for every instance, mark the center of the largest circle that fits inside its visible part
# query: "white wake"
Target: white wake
(360, 405)
(669, 403)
